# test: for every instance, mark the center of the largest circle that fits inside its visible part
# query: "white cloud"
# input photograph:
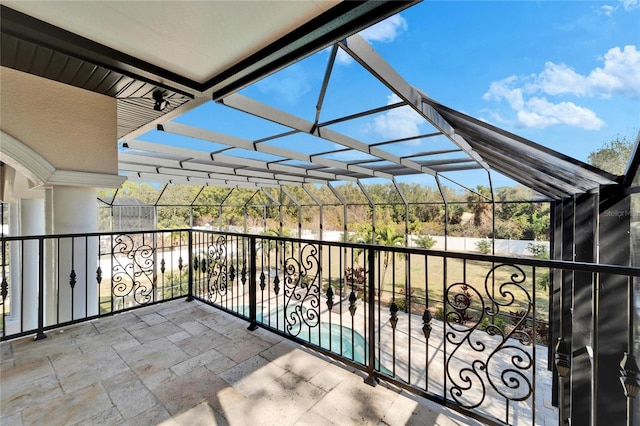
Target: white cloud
(289, 84)
(384, 32)
(397, 123)
(619, 76)
(627, 5)
(539, 112)
(503, 90)
(557, 79)
(606, 10)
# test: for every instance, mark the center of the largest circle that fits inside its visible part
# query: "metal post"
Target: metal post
(582, 312)
(190, 245)
(41, 334)
(371, 379)
(299, 206)
(319, 203)
(252, 285)
(614, 326)
(446, 212)
(345, 237)
(493, 214)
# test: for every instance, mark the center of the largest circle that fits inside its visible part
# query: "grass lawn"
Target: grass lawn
(434, 276)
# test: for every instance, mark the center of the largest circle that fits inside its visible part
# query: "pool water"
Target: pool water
(335, 338)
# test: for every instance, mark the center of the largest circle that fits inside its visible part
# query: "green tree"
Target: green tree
(613, 156)
(388, 236)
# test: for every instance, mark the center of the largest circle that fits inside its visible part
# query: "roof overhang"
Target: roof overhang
(208, 51)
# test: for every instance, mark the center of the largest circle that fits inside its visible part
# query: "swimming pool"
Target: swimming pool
(341, 340)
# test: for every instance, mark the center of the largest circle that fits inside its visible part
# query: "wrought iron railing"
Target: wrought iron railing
(469, 331)
(52, 281)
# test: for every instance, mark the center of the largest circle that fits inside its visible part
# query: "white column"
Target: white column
(26, 218)
(73, 210)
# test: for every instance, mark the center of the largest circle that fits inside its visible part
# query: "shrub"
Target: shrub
(496, 321)
(401, 301)
(439, 313)
(539, 250)
(484, 246)
(542, 281)
(425, 241)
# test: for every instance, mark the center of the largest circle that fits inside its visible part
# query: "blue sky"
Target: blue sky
(565, 74)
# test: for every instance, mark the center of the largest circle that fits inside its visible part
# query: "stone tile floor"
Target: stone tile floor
(185, 363)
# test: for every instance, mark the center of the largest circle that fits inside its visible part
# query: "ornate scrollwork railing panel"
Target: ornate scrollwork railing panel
(214, 266)
(302, 289)
(489, 360)
(132, 281)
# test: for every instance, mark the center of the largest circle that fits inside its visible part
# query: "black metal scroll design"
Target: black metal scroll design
(215, 269)
(508, 367)
(132, 273)
(302, 290)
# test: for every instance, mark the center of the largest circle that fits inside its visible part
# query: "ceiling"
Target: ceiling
(202, 54)
(197, 42)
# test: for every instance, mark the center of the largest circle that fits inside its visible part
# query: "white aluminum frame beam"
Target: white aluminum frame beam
(258, 109)
(365, 55)
(138, 161)
(284, 154)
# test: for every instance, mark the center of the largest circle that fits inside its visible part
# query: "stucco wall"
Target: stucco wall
(74, 129)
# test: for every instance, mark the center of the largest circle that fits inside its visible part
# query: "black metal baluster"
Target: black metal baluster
(111, 296)
(352, 308)
(86, 276)
(534, 340)
(72, 277)
(243, 278)
(4, 287)
(22, 285)
(268, 250)
(162, 265)
(372, 378)
(380, 293)
(330, 298)
(252, 285)
(343, 262)
(408, 310)
(190, 270)
(426, 321)
(393, 310)
(445, 364)
(40, 334)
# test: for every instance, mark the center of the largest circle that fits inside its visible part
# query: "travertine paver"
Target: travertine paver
(183, 363)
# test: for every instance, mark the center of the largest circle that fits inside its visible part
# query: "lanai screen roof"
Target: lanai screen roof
(292, 150)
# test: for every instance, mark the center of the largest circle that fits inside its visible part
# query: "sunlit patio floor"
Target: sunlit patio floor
(185, 363)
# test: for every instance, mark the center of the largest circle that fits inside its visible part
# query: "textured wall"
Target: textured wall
(72, 128)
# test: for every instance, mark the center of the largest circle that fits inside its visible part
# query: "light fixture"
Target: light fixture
(160, 102)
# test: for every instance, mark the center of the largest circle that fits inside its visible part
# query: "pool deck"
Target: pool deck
(186, 363)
